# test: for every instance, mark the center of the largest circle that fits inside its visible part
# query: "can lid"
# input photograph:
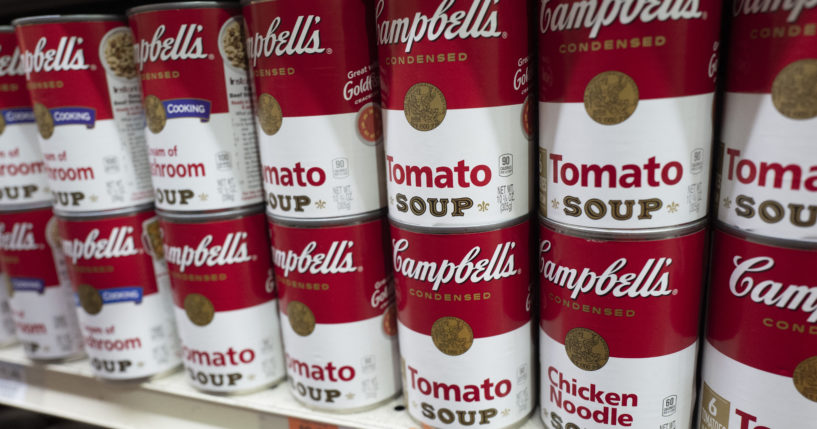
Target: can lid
(103, 214)
(6, 29)
(209, 216)
(644, 234)
(246, 2)
(43, 19)
(764, 239)
(446, 230)
(327, 222)
(24, 207)
(182, 5)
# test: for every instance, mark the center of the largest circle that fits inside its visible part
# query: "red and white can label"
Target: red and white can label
(457, 111)
(337, 315)
(22, 170)
(6, 320)
(626, 106)
(200, 132)
(768, 166)
(125, 310)
(85, 91)
(460, 366)
(314, 64)
(619, 330)
(226, 309)
(40, 295)
(760, 359)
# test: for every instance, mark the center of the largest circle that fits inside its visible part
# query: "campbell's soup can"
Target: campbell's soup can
(456, 111)
(225, 301)
(767, 167)
(39, 290)
(465, 329)
(7, 336)
(22, 170)
(760, 356)
(338, 318)
(314, 63)
(117, 269)
(626, 105)
(82, 78)
(200, 132)
(618, 328)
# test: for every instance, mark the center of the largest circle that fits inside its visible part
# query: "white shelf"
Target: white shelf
(69, 390)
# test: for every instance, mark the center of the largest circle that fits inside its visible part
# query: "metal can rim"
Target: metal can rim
(47, 19)
(6, 29)
(96, 215)
(25, 207)
(453, 230)
(249, 2)
(153, 7)
(327, 222)
(209, 216)
(644, 234)
(764, 240)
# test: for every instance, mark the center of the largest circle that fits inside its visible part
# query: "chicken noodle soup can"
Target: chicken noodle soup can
(626, 105)
(22, 170)
(760, 355)
(314, 63)
(200, 130)
(82, 78)
(117, 269)
(465, 329)
(38, 287)
(7, 336)
(225, 302)
(618, 324)
(456, 111)
(337, 312)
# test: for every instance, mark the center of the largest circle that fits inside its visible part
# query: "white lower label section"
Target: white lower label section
(768, 179)
(46, 323)
(22, 170)
(652, 170)
(237, 351)
(343, 366)
(656, 392)
(737, 396)
(474, 169)
(320, 167)
(6, 319)
(490, 385)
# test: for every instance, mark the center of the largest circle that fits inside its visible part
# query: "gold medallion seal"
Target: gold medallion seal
(610, 97)
(794, 90)
(424, 106)
(805, 378)
(199, 309)
(390, 321)
(301, 318)
(270, 116)
(2, 124)
(45, 123)
(452, 335)
(586, 349)
(155, 114)
(153, 235)
(89, 299)
(9, 287)
(369, 123)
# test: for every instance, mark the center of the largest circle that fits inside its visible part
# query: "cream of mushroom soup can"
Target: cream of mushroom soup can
(314, 64)
(200, 130)
(82, 78)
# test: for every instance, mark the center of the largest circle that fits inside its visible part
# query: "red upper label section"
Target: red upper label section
(642, 297)
(25, 248)
(762, 303)
(13, 91)
(668, 47)
(181, 52)
(315, 57)
(227, 261)
(474, 51)
(766, 37)
(340, 273)
(110, 253)
(482, 278)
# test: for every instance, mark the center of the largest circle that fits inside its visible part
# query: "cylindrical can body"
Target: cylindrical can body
(200, 131)
(760, 358)
(7, 336)
(767, 167)
(82, 78)
(619, 315)
(22, 170)
(337, 313)
(455, 118)
(41, 299)
(225, 303)
(314, 64)
(465, 329)
(117, 269)
(626, 105)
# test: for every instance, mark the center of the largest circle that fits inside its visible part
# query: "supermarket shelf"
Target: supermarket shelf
(69, 390)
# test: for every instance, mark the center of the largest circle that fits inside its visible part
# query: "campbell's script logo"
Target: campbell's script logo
(11, 64)
(793, 7)
(233, 250)
(597, 14)
(118, 244)
(66, 56)
(186, 44)
(302, 38)
(480, 20)
(337, 260)
(19, 237)
(771, 292)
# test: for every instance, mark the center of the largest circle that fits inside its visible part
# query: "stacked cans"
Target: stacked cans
(203, 156)
(457, 125)
(760, 355)
(318, 121)
(626, 109)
